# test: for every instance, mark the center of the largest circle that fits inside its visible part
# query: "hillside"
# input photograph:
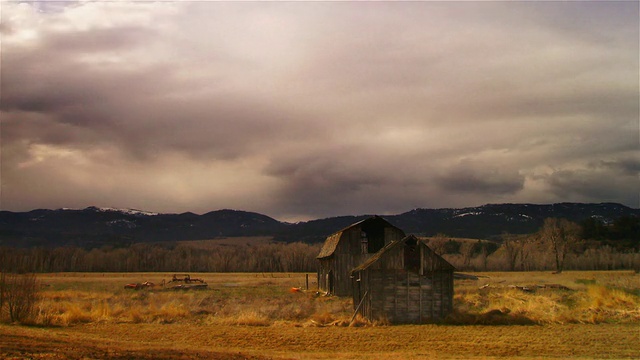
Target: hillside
(95, 227)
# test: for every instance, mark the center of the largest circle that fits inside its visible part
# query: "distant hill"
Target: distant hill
(493, 219)
(96, 227)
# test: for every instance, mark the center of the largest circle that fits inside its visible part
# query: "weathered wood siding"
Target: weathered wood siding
(347, 255)
(386, 290)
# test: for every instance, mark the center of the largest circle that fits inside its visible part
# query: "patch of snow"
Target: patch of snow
(468, 214)
(122, 222)
(128, 211)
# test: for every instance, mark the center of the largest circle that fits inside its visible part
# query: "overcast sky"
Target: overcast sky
(302, 110)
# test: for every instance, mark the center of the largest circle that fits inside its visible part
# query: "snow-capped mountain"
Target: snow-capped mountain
(94, 227)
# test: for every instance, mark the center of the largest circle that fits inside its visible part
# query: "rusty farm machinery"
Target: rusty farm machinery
(177, 282)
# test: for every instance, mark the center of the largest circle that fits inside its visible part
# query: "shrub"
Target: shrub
(19, 294)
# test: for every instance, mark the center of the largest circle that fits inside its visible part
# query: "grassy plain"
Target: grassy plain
(258, 316)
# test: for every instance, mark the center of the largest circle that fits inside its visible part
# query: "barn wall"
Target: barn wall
(403, 296)
(400, 296)
(392, 234)
(346, 257)
(323, 274)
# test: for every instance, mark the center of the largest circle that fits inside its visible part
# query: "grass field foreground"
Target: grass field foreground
(515, 315)
(267, 299)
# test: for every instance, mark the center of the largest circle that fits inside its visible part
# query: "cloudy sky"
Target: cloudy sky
(302, 110)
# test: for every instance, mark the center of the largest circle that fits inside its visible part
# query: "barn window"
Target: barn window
(374, 232)
(364, 243)
(412, 255)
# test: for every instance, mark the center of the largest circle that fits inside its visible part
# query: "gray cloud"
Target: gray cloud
(594, 185)
(626, 166)
(478, 178)
(301, 110)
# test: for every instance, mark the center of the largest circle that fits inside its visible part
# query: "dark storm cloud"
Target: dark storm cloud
(53, 76)
(479, 178)
(594, 185)
(146, 110)
(628, 166)
(317, 109)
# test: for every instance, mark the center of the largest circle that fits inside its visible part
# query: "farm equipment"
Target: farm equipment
(188, 282)
(138, 286)
(186, 278)
(189, 286)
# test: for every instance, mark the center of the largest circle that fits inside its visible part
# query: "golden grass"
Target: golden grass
(256, 315)
(265, 299)
(497, 301)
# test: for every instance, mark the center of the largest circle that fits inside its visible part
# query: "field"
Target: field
(580, 315)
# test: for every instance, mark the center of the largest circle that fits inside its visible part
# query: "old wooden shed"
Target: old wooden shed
(350, 247)
(404, 282)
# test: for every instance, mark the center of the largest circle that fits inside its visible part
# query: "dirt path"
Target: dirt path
(181, 341)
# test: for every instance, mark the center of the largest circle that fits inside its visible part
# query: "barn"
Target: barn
(404, 282)
(344, 250)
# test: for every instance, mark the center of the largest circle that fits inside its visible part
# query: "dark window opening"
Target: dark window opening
(364, 243)
(412, 256)
(373, 232)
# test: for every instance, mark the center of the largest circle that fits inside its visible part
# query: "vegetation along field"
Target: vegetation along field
(576, 314)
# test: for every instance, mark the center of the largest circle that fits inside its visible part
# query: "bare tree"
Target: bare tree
(438, 243)
(528, 246)
(484, 255)
(3, 290)
(562, 236)
(21, 294)
(512, 246)
(467, 249)
(517, 247)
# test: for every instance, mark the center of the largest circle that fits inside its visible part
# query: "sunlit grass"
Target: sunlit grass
(259, 315)
(266, 299)
(584, 297)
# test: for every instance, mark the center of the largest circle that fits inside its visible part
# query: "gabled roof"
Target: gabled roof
(375, 257)
(330, 245)
(332, 240)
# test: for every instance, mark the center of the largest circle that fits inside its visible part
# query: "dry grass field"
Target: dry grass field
(582, 315)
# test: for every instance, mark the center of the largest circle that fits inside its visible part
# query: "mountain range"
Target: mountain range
(96, 227)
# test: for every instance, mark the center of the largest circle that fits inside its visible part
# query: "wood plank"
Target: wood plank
(420, 298)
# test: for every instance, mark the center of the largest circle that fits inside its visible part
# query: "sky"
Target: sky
(305, 110)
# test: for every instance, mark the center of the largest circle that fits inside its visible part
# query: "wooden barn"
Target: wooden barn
(350, 247)
(404, 282)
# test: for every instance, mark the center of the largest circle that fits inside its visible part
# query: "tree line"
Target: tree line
(558, 245)
(145, 257)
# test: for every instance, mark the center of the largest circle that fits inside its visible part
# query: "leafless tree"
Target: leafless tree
(21, 295)
(467, 249)
(3, 290)
(512, 247)
(484, 256)
(438, 243)
(562, 236)
(529, 245)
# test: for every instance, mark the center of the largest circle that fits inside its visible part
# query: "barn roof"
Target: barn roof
(332, 240)
(444, 264)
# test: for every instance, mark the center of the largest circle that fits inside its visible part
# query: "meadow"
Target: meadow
(525, 315)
